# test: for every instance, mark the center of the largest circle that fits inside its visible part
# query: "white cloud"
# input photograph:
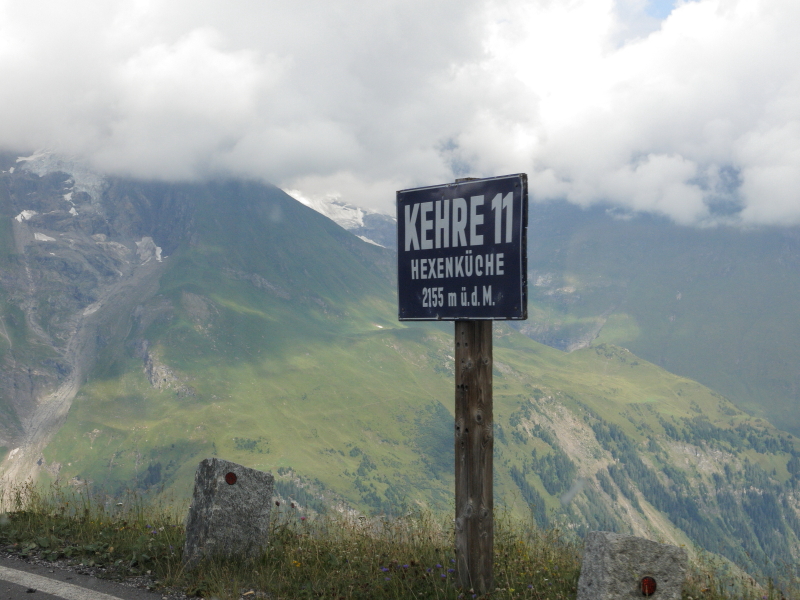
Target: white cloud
(694, 116)
(651, 124)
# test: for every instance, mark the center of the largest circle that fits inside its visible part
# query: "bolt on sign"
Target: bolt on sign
(461, 250)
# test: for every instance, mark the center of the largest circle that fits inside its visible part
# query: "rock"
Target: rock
(230, 511)
(623, 566)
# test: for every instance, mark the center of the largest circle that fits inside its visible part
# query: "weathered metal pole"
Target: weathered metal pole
(474, 446)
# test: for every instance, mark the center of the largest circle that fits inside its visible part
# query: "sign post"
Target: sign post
(462, 256)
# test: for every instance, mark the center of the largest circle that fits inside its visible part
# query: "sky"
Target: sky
(687, 108)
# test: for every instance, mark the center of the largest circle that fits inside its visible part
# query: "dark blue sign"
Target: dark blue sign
(461, 250)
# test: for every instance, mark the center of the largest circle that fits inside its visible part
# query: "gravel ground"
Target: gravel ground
(144, 582)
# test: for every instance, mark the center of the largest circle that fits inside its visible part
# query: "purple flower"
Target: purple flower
(388, 578)
(444, 576)
(451, 570)
(452, 560)
(384, 569)
(405, 566)
(438, 566)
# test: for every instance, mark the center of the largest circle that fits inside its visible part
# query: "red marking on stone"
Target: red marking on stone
(230, 478)
(648, 586)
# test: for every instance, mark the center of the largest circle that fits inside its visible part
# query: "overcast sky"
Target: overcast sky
(689, 109)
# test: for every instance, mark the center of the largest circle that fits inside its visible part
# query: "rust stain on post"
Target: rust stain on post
(474, 445)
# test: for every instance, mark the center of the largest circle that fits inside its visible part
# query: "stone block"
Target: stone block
(616, 567)
(230, 511)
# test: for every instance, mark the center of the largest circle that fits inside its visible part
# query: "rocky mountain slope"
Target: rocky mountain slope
(72, 271)
(150, 325)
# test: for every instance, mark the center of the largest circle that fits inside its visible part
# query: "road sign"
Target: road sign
(461, 250)
(461, 256)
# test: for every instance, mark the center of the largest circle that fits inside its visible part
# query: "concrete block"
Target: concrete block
(230, 511)
(623, 566)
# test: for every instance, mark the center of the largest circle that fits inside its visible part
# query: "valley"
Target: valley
(268, 335)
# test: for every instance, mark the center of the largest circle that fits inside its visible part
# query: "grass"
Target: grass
(362, 420)
(335, 555)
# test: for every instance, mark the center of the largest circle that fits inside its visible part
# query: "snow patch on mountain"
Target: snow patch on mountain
(147, 250)
(25, 215)
(364, 238)
(341, 213)
(372, 227)
(44, 162)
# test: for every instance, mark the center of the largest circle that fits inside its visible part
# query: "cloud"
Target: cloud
(693, 116)
(650, 125)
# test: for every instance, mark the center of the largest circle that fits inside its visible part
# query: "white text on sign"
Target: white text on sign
(445, 224)
(433, 297)
(466, 265)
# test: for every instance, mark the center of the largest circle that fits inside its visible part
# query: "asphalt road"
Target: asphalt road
(20, 580)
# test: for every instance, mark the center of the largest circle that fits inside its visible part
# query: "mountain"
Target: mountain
(148, 325)
(370, 226)
(713, 304)
(717, 305)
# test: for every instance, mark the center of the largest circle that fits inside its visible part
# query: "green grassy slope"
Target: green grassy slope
(716, 305)
(273, 342)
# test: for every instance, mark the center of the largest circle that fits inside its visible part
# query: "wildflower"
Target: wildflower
(451, 570)
(385, 569)
(444, 576)
(438, 566)
(302, 518)
(452, 560)
(405, 566)
(388, 578)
